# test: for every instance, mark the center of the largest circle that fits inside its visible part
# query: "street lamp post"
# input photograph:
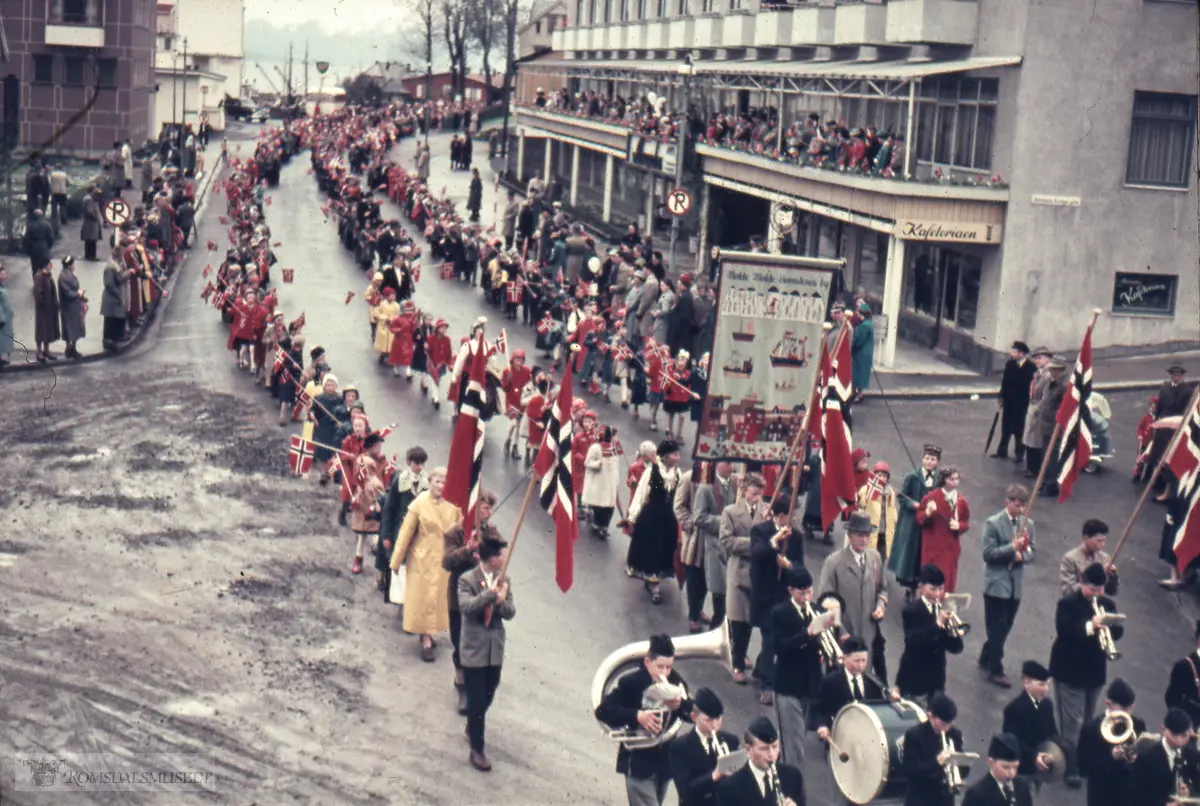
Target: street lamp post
(686, 71)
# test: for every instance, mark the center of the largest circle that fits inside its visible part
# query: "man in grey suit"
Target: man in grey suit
(1005, 554)
(856, 574)
(737, 519)
(708, 503)
(1033, 429)
(486, 603)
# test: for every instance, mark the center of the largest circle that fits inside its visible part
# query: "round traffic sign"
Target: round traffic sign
(117, 212)
(204, 90)
(679, 201)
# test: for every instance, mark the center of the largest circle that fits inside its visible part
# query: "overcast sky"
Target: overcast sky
(333, 15)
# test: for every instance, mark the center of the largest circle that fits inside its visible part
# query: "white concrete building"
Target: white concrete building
(212, 35)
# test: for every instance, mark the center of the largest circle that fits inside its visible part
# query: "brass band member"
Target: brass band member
(927, 750)
(1029, 719)
(1183, 691)
(763, 780)
(647, 772)
(1078, 658)
(843, 686)
(1166, 772)
(1002, 786)
(1108, 767)
(928, 638)
(694, 756)
(797, 661)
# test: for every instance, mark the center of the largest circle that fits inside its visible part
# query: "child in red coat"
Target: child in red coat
(438, 358)
(676, 394)
(513, 382)
(534, 404)
(404, 328)
(1145, 437)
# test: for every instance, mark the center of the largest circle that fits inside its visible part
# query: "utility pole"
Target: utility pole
(183, 116)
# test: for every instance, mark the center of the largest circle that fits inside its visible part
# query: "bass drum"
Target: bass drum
(872, 735)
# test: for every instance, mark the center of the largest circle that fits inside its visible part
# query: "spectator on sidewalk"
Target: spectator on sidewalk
(118, 168)
(6, 320)
(58, 195)
(45, 314)
(475, 195)
(72, 302)
(90, 232)
(112, 304)
(186, 219)
(147, 184)
(37, 188)
(127, 163)
(39, 240)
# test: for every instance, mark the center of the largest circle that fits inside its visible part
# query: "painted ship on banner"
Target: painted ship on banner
(790, 352)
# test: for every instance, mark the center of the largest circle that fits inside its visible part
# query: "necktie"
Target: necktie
(1009, 794)
(1015, 524)
(855, 689)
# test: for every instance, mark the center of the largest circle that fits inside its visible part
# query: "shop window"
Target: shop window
(1160, 140)
(76, 12)
(74, 71)
(43, 69)
(943, 284)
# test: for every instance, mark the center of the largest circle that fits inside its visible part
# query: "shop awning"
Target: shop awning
(890, 70)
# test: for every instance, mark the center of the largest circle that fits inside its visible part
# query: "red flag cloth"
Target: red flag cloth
(1074, 420)
(554, 465)
(837, 469)
(466, 450)
(1184, 462)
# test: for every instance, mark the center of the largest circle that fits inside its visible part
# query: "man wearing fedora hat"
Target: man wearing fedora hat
(1032, 438)
(856, 574)
(1015, 387)
(1048, 418)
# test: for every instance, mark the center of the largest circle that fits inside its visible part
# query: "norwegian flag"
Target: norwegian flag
(300, 456)
(502, 342)
(349, 296)
(650, 350)
(1184, 462)
(207, 270)
(389, 471)
(664, 352)
(553, 464)
(875, 487)
(222, 299)
(837, 470)
(545, 325)
(338, 468)
(1074, 419)
(621, 351)
(213, 246)
(465, 466)
(277, 367)
(209, 288)
(303, 401)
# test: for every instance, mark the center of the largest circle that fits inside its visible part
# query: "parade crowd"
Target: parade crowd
(734, 541)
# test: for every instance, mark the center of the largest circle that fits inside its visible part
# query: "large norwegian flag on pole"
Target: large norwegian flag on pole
(1074, 419)
(1184, 462)
(553, 465)
(837, 470)
(464, 468)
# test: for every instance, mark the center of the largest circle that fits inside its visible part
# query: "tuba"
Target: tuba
(711, 645)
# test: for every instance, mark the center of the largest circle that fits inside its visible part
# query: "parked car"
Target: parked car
(260, 115)
(236, 110)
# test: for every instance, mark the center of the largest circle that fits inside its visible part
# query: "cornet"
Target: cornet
(1104, 633)
(951, 604)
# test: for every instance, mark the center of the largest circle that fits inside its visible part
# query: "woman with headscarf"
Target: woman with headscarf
(655, 535)
(72, 306)
(420, 547)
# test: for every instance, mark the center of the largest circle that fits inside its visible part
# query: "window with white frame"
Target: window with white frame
(1160, 139)
(956, 120)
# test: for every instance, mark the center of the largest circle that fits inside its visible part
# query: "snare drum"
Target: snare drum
(872, 734)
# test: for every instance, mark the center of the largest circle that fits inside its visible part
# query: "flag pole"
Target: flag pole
(806, 424)
(512, 543)
(1033, 494)
(1162, 460)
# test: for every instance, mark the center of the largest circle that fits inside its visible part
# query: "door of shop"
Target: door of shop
(945, 288)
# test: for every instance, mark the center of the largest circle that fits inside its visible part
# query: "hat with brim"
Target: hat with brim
(1042, 351)
(1176, 368)
(1021, 346)
(859, 523)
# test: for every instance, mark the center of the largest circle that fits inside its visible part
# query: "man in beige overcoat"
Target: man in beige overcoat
(737, 520)
(1034, 444)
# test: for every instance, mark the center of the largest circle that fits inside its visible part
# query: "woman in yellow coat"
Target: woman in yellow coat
(419, 547)
(384, 313)
(878, 498)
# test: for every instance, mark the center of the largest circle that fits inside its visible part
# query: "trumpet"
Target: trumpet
(830, 647)
(954, 626)
(953, 774)
(1104, 633)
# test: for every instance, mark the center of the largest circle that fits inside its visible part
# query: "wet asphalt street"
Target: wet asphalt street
(542, 738)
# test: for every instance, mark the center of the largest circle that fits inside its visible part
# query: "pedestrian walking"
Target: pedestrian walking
(475, 195)
(1032, 435)
(90, 231)
(127, 163)
(59, 184)
(485, 599)
(737, 519)
(862, 352)
(1015, 388)
(944, 517)
(855, 574)
(45, 314)
(601, 482)
(72, 307)
(651, 555)
(1005, 554)
(39, 240)
(708, 503)
(420, 548)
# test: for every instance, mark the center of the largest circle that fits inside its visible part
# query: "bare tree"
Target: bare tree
(486, 28)
(455, 31)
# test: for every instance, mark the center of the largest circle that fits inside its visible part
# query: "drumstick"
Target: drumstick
(842, 755)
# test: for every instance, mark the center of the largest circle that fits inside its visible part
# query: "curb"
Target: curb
(31, 366)
(990, 393)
